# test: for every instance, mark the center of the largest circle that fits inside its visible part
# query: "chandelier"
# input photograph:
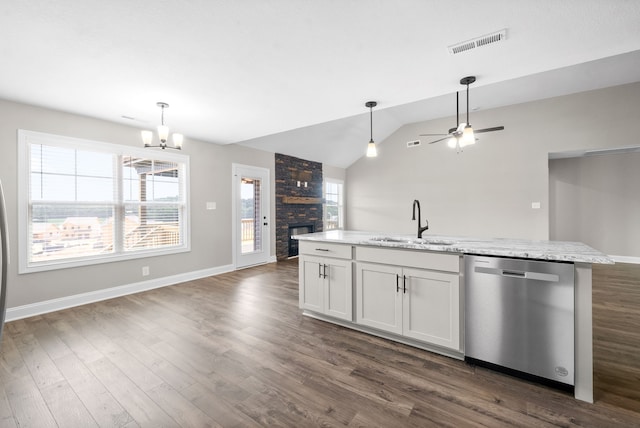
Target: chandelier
(163, 133)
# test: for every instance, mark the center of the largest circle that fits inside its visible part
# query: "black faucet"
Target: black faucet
(420, 228)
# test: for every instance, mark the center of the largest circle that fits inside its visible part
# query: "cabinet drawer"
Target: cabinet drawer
(409, 258)
(340, 251)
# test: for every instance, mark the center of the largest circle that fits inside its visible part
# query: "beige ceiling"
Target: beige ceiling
(292, 76)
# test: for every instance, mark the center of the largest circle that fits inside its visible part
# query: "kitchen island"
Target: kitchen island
(345, 278)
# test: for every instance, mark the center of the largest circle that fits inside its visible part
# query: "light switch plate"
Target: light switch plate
(535, 205)
(211, 205)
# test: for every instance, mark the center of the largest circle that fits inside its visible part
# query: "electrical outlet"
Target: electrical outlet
(145, 270)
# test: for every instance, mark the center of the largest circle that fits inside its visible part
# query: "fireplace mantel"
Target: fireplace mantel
(301, 200)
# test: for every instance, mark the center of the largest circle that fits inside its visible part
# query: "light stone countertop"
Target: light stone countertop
(520, 248)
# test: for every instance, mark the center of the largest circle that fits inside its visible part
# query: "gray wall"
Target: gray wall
(487, 190)
(596, 200)
(211, 231)
(334, 172)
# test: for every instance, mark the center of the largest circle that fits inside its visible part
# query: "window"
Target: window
(84, 202)
(333, 204)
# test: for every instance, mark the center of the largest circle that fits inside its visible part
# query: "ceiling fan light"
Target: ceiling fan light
(452, 142)
(372, 151)
(467, 136)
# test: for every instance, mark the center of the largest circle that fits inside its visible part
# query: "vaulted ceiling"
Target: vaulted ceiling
(292, 76)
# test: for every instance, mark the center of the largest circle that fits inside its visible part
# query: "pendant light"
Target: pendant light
(163, 133)
(372, 152)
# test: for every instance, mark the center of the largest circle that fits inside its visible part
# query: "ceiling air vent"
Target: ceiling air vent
(487, 39)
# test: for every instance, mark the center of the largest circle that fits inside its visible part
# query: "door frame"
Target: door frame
(265, 205)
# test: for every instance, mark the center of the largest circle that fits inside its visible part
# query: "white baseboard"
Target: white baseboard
(626, 259)
(52, 305)
(271, 259)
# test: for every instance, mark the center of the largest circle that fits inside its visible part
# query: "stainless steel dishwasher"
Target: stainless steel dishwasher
(519, 315)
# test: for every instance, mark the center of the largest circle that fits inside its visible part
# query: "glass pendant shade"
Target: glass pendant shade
(372, 152)
(147, 137)
(467, 136)
(163, 133)
(177, 140)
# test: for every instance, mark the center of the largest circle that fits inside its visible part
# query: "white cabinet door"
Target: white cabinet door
(338, 289)
(379, 296)
(326, 286)
(431, 307)
(311, 283)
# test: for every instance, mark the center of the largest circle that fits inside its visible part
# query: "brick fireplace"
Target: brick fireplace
(298, 201)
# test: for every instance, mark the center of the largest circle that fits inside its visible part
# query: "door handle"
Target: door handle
(404, 283)
(397, 283)
(325, 271)
(319, 270)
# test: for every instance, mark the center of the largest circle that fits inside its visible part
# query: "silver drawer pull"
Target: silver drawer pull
(321, 249)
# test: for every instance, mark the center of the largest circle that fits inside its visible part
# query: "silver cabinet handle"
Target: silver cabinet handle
(321, 249)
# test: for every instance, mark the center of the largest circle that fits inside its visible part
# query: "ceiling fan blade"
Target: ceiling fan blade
(431, 135)
(495, 128)
(441, 139)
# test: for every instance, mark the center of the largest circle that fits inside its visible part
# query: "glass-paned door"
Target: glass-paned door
(251, 193)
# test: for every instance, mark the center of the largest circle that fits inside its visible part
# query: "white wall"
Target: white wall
(596, 200)
(487, 190)
(211, 230)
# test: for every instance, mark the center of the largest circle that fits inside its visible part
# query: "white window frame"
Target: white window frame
(341, 219)
(26, 138)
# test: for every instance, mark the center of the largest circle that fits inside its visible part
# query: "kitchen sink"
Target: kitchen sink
(434, 242)
(422, 241)
(396, 240)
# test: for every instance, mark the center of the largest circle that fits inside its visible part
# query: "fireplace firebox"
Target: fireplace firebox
(298, 229)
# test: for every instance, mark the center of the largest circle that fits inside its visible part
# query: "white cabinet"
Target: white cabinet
(431, 307)
(326, 281)
(415, 295)
(379, 296)
(422, 304)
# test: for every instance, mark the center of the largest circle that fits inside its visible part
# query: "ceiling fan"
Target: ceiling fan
(463, 134)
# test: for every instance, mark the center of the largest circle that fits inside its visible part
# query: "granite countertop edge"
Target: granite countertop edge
(559, 251)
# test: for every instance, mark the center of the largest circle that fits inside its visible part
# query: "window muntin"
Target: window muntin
(87, 202)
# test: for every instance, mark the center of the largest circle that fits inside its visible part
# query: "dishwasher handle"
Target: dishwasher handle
(517, 274)
(511, 273)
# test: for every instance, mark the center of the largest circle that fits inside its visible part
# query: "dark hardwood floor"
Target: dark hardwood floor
(235, 351)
